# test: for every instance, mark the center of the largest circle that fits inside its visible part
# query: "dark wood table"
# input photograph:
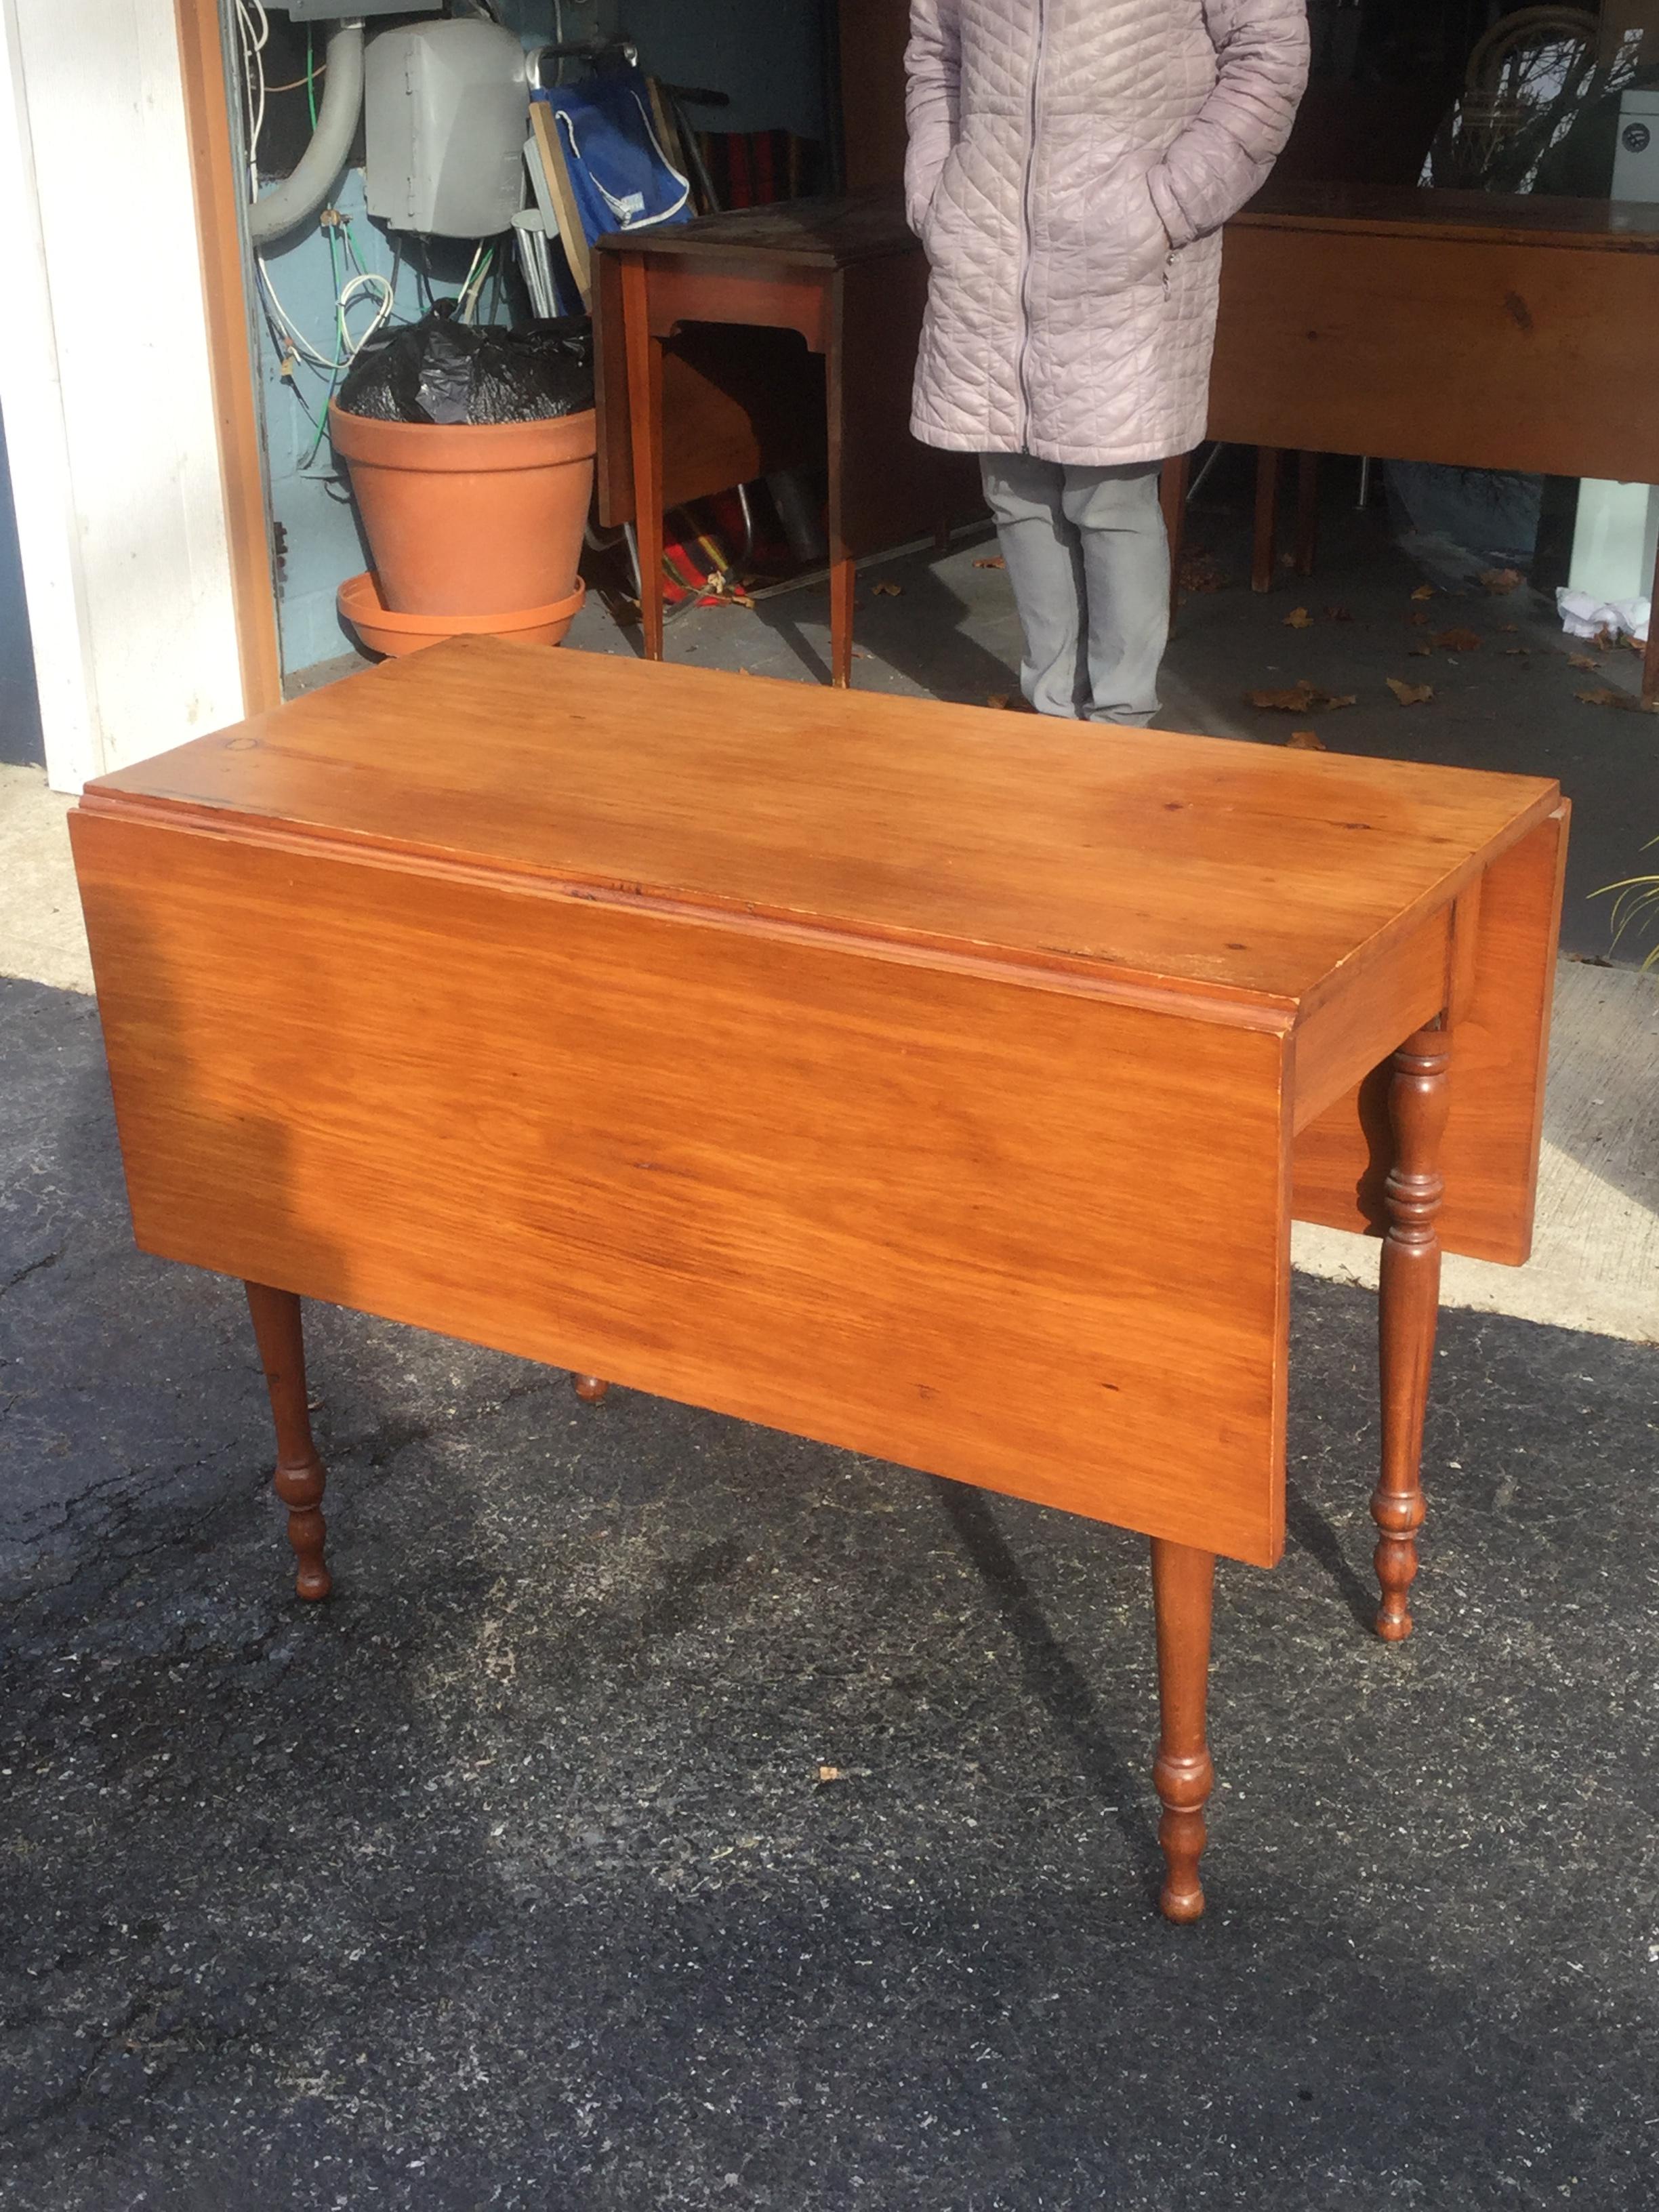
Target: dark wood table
(687, 407)
(1482, 330)
(926, 1081)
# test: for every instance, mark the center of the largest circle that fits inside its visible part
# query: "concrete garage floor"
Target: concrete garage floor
(509, 1878)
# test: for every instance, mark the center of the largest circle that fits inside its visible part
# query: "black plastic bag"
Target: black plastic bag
(439, 370)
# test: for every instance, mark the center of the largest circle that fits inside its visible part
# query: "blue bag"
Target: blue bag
(620, 175)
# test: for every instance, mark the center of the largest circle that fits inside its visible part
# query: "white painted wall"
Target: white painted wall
(105, 383)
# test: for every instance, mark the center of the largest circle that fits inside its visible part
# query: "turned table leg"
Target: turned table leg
(1409, 1306)
(1183, 1585)
(300, 1476)
(590, 1388)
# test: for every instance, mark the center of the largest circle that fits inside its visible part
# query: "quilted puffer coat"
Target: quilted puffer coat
(1071, 164)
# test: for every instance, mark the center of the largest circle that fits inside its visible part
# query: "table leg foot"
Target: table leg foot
(299, 1478)
(1408, 1310)
(1183, 1584)
(590, 1388)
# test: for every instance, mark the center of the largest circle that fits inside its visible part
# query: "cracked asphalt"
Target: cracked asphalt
(508, 1878)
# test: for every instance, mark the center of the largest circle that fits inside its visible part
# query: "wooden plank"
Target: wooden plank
(1028, 1240)
(1538, 355)
(577, 252)
(218, 190)
(872, 39)
(1345, 1036)
(1499, 1052)
(1411, 210)
(1243, 874)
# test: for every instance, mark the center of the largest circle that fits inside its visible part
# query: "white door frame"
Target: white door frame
(105, 388)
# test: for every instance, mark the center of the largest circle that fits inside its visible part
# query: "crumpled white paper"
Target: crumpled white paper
(1584, 615)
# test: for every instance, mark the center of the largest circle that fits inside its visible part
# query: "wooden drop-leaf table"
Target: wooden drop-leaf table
(925, 1080)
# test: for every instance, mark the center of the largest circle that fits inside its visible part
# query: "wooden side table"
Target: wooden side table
(904, 1076)
(848, 278)
(1483, 330)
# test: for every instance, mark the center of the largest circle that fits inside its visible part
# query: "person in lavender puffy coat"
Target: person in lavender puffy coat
(1071, 165)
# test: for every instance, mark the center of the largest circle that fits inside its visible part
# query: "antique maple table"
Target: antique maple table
(692, 399)
(1486, 330)
(934, 1082)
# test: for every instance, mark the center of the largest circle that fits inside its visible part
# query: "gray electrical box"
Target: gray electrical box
(1636, 155)
(446, 111)
(336, 11)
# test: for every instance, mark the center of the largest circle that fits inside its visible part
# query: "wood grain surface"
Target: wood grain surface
(737, 403)
(1490, 1151)
(1254, 880)
(1505, 349)
(822, 233)
(1027, 1237)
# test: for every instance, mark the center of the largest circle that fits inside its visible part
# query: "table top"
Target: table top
(824, 232)
(1525, 218)
(1131, 859)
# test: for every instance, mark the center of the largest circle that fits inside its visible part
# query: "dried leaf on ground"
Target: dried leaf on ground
(1306, 741)
(1497, 581)
(830, 1774)
(1420, 620)
(1417, 652)
(1425, 592)
(991, 560)
(1338, 614)
(1411, 694)
(1199, 572)
(1509, 628)
(1298, 618)
(1457, 641)
(1517, 652)
(886, 590)
(1626, 701)
(1583, 661)
(1304, 698)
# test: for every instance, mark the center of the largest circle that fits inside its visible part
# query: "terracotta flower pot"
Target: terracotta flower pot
(471, 519)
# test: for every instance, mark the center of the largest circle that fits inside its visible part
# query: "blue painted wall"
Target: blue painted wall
(20, 706)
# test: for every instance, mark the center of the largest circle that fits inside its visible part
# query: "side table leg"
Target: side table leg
(590, 1388)
(644, 355)
(1183, 1588)
(844, 574)
(1264, 551)
(1307, 513)
(1172, 484)
(299, 1478)
(1408, 1309)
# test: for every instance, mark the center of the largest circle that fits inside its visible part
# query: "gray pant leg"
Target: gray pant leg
(1045, 566)
(1125, 564)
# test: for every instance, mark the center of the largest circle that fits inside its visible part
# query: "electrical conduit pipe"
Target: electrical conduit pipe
(299, 196)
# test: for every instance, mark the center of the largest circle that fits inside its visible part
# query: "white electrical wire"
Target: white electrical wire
(253, 79)
(349, 292)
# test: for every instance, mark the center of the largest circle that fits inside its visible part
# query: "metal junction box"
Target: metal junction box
(447, 111)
